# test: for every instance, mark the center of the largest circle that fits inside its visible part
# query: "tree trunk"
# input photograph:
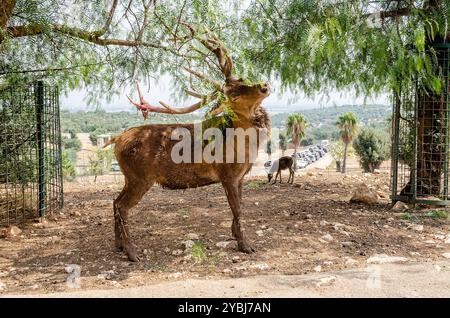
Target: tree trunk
(295, 157)
(344, 162)
(432, 131)
(6, 8)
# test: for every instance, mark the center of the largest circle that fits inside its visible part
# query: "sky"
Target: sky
(276, 102)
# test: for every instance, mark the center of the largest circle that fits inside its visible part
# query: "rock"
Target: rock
(177, 252)
(365, 195)
(347, 244)
(260, 233)
(350, 261)
(308, 216)
(376, 171)
(235, 259)
(108, 275)
(226, 271)
(327, 238)
(175, 275)
(223, 244)
(323, 223)
(188, 244)
(325, 281)
(318, 268)
(446, 255)
(417, 227)
(257, 203)
(2, 286)
(338, 226)
(400, 206)
(193, 236)
(430, 242)
(384, 259)
(310, 174)
(260, 266)
(10, 231)
(75, 213)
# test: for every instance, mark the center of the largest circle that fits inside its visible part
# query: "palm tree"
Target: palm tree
(282, 143)
(347, 125)
(296, 128)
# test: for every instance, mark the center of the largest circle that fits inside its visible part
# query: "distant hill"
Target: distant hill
(321, 120)
(366, 114)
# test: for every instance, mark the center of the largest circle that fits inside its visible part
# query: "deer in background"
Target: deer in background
(144, 153)
(284, 163)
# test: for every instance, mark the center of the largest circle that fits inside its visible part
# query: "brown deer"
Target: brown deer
(284, 163)
(144, 153)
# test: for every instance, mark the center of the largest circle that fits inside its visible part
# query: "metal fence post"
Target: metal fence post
(41, 147)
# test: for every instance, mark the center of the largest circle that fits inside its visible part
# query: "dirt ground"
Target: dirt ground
(306, 227)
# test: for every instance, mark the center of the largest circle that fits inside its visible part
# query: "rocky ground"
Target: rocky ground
(310, 226)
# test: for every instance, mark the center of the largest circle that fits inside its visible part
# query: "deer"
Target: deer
(283, 163)
(144, 153)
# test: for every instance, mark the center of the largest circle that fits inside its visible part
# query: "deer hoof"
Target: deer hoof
(132, 254)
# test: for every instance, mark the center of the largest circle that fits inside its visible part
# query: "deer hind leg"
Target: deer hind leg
(128, 198)
(291, 174)
(232, 192)
(279, 173)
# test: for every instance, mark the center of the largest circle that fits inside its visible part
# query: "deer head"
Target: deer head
(243, 98)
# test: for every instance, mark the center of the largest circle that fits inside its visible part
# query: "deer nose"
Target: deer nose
(264, 88)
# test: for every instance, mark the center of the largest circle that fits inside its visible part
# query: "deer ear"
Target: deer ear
(217, 111)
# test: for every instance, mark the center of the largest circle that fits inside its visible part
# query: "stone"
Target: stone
(235, 259)
(376, 171)
(226, 271)
(350, 261)
(2, 286)
(188, 244)
(193, 236)
(323, 223)
(318, 268)
(177, 252)
(108, 275)
(347, 244)
(10, 231)
(385, 259)
(446, 255)
(260, 266)
(260, 233)
(400, 206)
(447, 240)
(223, 244)
(417, 227)
(365, 195)
(327, 238)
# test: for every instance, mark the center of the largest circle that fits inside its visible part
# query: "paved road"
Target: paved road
(386, 280)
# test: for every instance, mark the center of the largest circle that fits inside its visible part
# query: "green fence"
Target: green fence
(31, 183)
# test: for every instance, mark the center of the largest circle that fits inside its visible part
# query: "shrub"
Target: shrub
(68, 167)
(372, 147)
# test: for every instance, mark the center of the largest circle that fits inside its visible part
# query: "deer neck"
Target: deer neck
(245, 115)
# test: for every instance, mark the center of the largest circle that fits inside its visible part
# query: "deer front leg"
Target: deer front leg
(292, 173)
(232, 192)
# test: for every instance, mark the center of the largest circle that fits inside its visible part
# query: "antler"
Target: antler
(224, 62)
(145, 106)
(214, 45)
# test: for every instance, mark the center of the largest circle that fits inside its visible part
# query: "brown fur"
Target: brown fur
(144, 156)
(284, 163)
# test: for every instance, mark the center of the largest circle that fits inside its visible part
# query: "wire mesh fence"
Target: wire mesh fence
(420, 141)
(31, 182)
